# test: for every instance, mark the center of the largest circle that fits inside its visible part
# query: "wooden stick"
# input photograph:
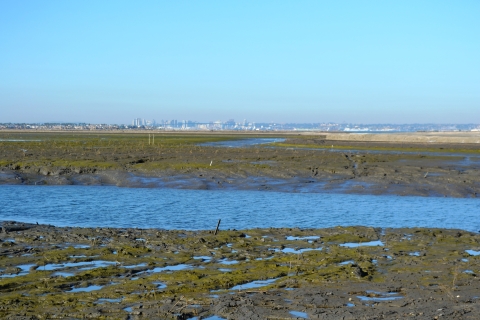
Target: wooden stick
(218, 226)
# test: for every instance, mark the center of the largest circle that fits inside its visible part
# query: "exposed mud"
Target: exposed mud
(349, 273)
(303, 164)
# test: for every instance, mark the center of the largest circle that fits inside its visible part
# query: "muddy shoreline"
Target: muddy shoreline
(300, 164)
(288, 273)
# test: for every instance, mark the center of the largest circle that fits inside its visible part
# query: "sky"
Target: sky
(264, 61)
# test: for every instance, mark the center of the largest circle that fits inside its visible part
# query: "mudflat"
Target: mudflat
(344, 272)
(288, 273)
(399, 164)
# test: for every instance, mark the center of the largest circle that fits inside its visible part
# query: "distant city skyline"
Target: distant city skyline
(268, 61)
(232, 125)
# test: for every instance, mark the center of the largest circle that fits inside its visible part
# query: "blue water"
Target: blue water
(241, 143)
(110, 206)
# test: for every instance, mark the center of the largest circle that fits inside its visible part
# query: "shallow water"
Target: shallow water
(362, 244)
(241, 143)
(254, 284)
(110, 206)
(87, 289)
(380, 296)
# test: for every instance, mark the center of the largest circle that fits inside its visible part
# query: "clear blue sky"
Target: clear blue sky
(281, 61)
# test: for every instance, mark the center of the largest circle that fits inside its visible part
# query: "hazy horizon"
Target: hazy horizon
(285, 62)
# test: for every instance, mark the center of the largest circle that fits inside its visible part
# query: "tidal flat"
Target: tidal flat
(301, 163)
(271, 273)
(353, 272)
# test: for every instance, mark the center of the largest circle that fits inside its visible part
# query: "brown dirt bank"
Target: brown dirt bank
(304, 165)
(107, 273)
(410, 137)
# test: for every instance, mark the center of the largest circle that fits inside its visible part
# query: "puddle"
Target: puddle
(127, 309)
(349, 304)
(416, 254)
(469, 271)
(171, 268)
(84, 265)
(473, 252)
(254, 284)
(241, 143)
(464, 260)
(344, 263)
(299, 314)
(103, 300)
(160, 285)
(203, 258)
(266, 258)
(80, 256)
(77, 246)
(291, 238)
(380, 296)
(226, 261)
(362, 244)
(225, 269)
(291, 250)
(86, 289)
(24, 270)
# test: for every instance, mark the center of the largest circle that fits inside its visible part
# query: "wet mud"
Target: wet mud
(48, 272)
(304, 164)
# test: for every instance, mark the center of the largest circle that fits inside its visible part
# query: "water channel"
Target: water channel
(164, 208)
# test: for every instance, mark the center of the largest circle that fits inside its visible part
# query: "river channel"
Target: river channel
(165, 208)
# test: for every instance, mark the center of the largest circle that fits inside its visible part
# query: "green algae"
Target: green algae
(133, 280)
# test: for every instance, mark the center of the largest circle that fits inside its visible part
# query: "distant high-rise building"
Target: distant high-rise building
(138, 122)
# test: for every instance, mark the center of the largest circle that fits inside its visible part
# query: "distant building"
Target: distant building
(138, 122)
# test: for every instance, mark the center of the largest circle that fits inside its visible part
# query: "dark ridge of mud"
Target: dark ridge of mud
(342, 272)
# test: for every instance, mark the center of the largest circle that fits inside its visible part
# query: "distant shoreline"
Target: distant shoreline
(461, 137)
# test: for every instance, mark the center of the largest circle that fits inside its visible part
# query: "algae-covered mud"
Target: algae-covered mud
(288, 273)
(301, 163)
(274, 273)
